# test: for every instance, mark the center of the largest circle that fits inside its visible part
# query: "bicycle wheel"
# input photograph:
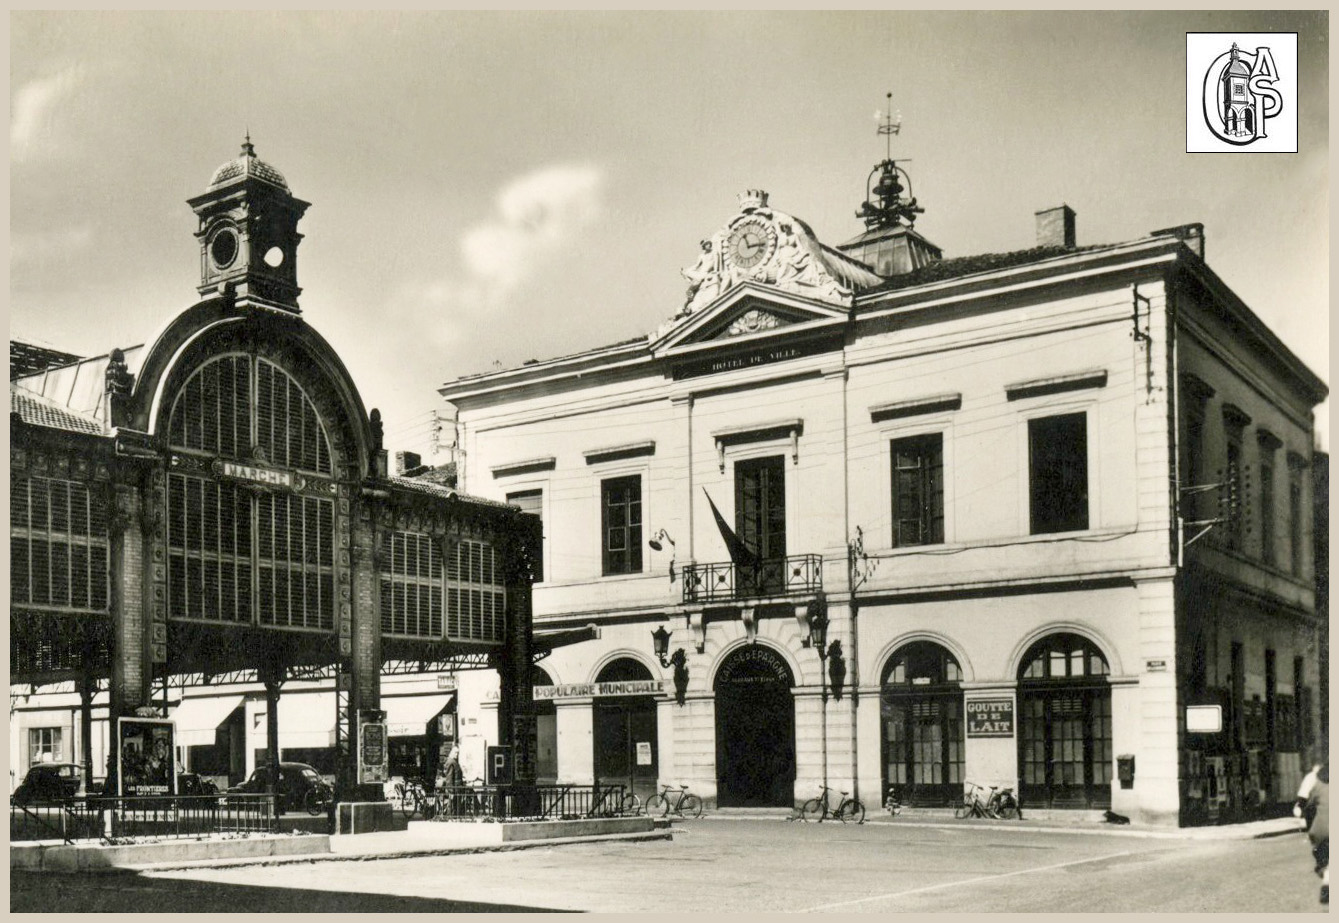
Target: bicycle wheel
(657, 806)
(812, 810)
(407, 804)
(630, 804)
(691, 807)
(851, 809)
(963, 810)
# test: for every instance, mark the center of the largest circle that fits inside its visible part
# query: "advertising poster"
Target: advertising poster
(373, 759)
(146, 757)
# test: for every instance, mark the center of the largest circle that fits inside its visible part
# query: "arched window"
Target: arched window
(244, 545)
(1064, 741)
(921, 707)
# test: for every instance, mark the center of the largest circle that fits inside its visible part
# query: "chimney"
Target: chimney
(1055, 227)
(1192, 235)
(407, 461)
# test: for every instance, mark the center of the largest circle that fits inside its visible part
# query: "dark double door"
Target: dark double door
(755, 731)
(1065, 747)
(923, 747)
(625, 744)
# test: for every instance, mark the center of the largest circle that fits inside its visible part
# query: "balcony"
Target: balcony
(726, 581)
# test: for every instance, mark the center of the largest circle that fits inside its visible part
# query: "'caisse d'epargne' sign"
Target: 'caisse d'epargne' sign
(990, 718)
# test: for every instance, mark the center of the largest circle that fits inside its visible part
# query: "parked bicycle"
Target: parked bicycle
(685, 805)
(318, 798)
(615, 802)
(820, 808)
(999, 803)
(414, 799)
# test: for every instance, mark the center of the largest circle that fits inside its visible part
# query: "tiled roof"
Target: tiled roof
(41, 411)
(440, 490)
(968, 265)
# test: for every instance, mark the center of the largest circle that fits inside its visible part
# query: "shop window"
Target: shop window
(58, 544)
(45, 745)
(1058, 469)
(921, 706)
(621, 521)
(532, 502)
(411, 586)
(918, 490)
(1065, 724)
(476, 598)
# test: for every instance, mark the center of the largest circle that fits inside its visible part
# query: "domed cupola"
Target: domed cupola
(247, 164)
(248, 234)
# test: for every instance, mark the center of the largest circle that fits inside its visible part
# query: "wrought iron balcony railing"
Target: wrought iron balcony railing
(725, 580)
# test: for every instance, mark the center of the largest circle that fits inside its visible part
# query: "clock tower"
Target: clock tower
(249, 234)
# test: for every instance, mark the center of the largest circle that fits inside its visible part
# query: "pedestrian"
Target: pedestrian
(449, 773)
(1312, 805)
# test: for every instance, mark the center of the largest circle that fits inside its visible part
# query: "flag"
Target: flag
(739, 552)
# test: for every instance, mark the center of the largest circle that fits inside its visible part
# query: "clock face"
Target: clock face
(223, 248)
(750, 243)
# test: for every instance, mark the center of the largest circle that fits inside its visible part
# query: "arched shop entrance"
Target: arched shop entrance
(546, 727)
(625, 731)
(755, 730)
(920, 704)
(1064, 740)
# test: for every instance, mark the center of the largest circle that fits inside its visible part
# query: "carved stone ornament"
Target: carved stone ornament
(753, 322)
(764, 246)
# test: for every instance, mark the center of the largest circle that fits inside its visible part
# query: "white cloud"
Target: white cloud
(536, 217)
(33, 108)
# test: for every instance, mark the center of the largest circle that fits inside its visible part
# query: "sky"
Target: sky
(496, 187)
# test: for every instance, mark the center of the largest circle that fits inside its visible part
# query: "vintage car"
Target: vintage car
(295, 781)
(49, 782)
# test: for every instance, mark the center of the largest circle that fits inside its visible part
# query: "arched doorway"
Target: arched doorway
(755, 730)
(546, 727)
(1064, 740)
(625, 729)
(920, 705)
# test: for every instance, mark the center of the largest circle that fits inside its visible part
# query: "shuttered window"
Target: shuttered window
(58, 544)
(476, 598)
(237, 553)
(411, 587)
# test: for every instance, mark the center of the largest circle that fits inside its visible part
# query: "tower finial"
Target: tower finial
(886, 207)
(248, 148)
(887, 126)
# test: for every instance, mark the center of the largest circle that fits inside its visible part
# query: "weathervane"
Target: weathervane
(884, 206)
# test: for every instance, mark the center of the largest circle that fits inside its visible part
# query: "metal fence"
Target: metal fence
(113, 819)
(725, 580)
(500, 802)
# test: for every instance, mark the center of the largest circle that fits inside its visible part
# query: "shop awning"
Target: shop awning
(306, 719)
(408, 715)
(198, 718)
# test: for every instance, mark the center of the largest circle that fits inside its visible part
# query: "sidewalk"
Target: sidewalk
(1078, 822)
(397, 844)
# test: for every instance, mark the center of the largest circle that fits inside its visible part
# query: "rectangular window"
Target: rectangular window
(760, 523)
(621, 522)
(1295, 520)
(1267, 443)
(45, 745)
(476, 598)
(532, 502)
(1058, 469)
(411, 587)
(918, 490)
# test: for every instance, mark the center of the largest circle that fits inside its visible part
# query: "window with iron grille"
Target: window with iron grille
(58, 543)
(1295, 545)
(411, 587)
(475, 596)
(918, 490)
(237, 553)
(45, 745)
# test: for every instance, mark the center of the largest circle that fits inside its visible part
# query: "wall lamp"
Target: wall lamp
(656, 545)
(830, 655)
(660, 638)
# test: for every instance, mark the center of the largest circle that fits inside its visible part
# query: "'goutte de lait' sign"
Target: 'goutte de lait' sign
(990, 718)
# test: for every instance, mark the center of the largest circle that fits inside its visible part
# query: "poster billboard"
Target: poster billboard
(146, 760)
(373, 756)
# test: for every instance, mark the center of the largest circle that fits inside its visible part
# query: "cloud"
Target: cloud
(34, 106)
(535, 218)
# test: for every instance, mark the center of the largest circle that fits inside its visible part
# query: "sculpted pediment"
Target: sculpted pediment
(765, 247)
(747, 311)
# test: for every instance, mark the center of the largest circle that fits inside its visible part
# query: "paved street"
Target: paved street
(738, 865)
